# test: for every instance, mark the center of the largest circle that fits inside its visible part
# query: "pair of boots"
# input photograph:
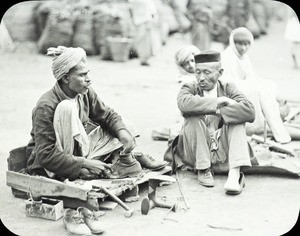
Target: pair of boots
(82, 221)
(131, 164)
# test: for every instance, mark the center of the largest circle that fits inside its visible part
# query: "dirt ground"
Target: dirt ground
(269, 205)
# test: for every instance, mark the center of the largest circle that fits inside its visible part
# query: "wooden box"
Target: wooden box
(46, 208)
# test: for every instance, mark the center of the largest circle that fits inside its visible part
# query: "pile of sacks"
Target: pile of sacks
(82, 24)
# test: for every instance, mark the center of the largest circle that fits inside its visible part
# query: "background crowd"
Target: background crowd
(134, 28)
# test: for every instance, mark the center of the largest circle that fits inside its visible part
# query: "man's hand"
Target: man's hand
(95, 166)
(127, 140)
(225, 101)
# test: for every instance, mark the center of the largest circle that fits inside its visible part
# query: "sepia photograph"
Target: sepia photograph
(149, 118)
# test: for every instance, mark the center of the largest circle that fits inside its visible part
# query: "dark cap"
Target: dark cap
(207, 56)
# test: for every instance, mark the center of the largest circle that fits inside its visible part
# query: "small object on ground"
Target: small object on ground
(224, 227)
(132, 198)
(74, 223)
(241, 184)
(107, 205)
(148, 161)
(276, 146)
(161, 136)
(91, 220)
(145, 64)
(151, 201)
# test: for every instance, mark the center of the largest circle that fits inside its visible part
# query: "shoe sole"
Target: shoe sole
(206, 185)
(158, 168)
(130, 175)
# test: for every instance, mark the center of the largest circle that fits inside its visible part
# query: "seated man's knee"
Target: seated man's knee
(65, 107)
(194, 123)
(237, 128)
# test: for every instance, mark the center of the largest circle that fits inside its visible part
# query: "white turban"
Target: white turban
(183, 54)
(65, 59)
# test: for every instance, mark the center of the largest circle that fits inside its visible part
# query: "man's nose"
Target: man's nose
(87, 78)
(201, 77)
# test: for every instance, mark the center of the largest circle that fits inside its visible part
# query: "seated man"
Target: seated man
(74, 134)
(214, 129)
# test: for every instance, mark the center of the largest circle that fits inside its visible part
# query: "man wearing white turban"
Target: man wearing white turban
(74, 134)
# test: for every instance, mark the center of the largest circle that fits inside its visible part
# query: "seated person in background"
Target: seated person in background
(214, 129)
(261, 92)
(185, 63)
(74, 134)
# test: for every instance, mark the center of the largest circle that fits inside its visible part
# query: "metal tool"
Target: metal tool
(128, 212)
(166, 215)
(181, 192)
(151, 201)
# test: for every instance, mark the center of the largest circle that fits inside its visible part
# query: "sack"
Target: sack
(111, 20)
(42, 12)
(58, 30)
(101, 14)
(20, 22)
(83, 31)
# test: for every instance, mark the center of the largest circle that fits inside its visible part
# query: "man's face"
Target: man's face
(79, 80)
(189, 64)
(207, 74)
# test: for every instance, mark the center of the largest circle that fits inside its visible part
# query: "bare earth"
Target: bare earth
(269, 205)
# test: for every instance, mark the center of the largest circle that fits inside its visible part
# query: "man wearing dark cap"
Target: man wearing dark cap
(214, 130)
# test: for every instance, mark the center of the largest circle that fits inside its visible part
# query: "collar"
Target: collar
(61, 95)
(211, 93)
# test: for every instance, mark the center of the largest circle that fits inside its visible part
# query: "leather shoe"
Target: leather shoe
(205, 178)
(74, 223)
(149, 162)
(91, 220)
(126, 166)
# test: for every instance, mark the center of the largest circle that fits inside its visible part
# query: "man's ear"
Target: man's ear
(221, 71)
(65, 79)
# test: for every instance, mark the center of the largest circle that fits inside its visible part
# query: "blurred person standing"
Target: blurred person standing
(260, 14)
(238, 12)
(147, 40)
(292, 35)
(201, 17)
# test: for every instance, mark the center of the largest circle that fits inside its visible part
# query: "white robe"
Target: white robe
(261, 92)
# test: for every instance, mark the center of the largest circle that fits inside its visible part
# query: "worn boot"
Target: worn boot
(74, 223)
(91, 220)
(149, 162)
(126, 166)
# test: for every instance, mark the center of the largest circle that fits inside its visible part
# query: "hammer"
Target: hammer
(129, 211)
(151, 201)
